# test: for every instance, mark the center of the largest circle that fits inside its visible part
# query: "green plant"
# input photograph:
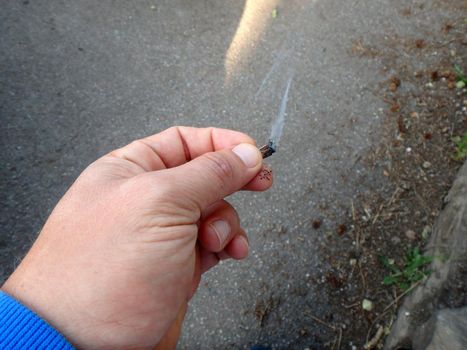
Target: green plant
(460, 74)
(461, 146)
(274, 13)
(413, 271)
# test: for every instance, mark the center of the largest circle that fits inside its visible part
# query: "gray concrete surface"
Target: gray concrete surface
(80, 78)
(448, 331)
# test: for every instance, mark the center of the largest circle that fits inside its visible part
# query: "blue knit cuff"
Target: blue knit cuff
(20, 328)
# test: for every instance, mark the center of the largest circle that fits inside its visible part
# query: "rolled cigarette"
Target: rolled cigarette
(267, 150)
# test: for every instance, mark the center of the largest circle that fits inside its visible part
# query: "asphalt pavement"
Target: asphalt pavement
(80, 78)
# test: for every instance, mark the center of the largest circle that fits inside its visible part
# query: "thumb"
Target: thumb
(215, 175)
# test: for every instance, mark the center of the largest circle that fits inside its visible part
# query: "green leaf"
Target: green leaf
(461, 146)
(460, 77)
(404, 286)
(412, 272)
(384, 261)
(388, 280)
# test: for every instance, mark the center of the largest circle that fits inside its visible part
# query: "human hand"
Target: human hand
(124, 249)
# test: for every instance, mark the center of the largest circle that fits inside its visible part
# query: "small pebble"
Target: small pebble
(411, 235)
(405, 185)
(367, 305)
(426, 232)
(408, 149)
(426, 165)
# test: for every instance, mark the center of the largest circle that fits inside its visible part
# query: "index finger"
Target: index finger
(179, 145)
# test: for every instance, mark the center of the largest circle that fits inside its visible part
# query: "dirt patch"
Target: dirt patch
(264, 307)
(414, 166)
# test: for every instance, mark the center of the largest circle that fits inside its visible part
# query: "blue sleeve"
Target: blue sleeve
(20, 328)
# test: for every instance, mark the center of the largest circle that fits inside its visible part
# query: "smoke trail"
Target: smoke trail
(278, 125)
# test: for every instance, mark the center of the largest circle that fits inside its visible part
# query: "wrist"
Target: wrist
(28, 287)
(21, 328)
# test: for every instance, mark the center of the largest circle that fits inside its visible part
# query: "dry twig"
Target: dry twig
(395, 301)
(320, 321)
(375, 340)
(391, 201)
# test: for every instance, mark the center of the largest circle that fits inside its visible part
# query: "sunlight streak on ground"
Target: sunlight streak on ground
(257, 14)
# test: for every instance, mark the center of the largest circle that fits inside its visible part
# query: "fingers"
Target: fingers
(178, 145)
(214, 175)
(140, 154)
(220, 223)
(208, 259)
(237, 249)
(262, 181)
(216, 246)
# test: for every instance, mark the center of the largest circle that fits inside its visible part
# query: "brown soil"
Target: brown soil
(414, 167)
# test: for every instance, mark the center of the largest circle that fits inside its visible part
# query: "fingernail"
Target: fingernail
(222, 230)
(245, 241)
(249, 154)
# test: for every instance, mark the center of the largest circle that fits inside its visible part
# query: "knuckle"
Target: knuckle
(142, 147)
(235, 213)
(232, 212)
(220, 167)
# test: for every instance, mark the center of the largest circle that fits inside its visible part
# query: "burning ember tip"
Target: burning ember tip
(267, 150)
